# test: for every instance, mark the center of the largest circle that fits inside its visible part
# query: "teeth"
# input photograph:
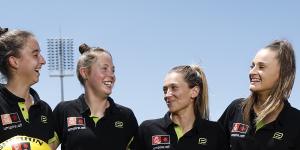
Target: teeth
(107, 82)
(255, 80)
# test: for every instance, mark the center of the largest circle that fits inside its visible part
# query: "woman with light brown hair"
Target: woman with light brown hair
(94, 120)
(22, 112)
(185, 126)
(265, 120)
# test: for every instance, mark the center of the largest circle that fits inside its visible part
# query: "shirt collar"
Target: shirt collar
(12, 99)
(198, 126)
(85, 108)
(280, 120)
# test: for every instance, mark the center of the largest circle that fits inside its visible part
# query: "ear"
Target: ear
(13, 62)
(195, 91)
(83, 72)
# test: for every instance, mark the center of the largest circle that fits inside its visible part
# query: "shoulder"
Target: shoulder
(235, 105)
(123, 109)
(67, 105)
(212, 125)
(152, 123)
(127, 114)
(42, 103)
(293, 113)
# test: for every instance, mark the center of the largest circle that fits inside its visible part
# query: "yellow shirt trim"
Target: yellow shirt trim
(259, 125)
(24, 111)
(54, 139)
(95, 119)
(178, 131)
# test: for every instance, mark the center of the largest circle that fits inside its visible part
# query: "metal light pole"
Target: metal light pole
(60, 59)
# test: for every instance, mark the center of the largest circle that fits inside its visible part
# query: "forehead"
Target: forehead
(31, 42)
(173, 78)
(104, 58)
(265, 56)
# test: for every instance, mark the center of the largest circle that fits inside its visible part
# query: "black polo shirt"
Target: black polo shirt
(159, 134)
(281, 134)
(77, 130)
(16, 120)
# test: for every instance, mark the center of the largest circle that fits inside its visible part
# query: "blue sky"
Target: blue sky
(147, 38)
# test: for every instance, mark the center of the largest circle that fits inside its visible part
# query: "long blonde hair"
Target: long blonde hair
(282, 89)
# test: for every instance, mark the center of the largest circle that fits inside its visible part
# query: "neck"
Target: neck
(185, 119)
(96, 104)
(262, 97)
(19, 90)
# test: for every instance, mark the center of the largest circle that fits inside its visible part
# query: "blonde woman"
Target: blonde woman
(185, 126)
(94, 120)
(266, 120)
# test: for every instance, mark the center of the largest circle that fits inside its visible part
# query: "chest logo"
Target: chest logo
(44, 119)
(239, 128)
(160, 139)
(119, 124)
(8, 119)
(75, 121)
(202, 141)
(278, 135)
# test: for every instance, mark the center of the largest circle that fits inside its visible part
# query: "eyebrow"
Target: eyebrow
(36, 50)
(259, 63)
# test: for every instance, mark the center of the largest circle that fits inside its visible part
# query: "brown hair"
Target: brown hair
(10, 44)
(282, 89)
(195, 76)
(87, 58)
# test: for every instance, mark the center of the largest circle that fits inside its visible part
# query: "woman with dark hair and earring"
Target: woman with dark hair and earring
(186, 125)
(265, 120)
(94, 120)
(22, 111)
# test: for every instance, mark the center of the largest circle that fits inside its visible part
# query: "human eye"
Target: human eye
(261, 66)
(165, 90)
(104, 68)
(113, 69)
(252, 66)
(174, 87)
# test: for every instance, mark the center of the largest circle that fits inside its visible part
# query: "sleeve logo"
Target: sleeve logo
(202, 141)
(119, 124)
(278, 135)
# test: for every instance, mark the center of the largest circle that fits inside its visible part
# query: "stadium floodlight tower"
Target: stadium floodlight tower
(60, 59)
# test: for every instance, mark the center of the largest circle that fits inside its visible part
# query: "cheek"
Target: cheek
(97, 77)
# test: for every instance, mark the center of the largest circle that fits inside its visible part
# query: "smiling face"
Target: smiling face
(264, 72)
(100, 77)
(177, 94)
(29, 62)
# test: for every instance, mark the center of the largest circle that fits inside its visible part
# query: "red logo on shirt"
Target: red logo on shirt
(73, 121)
(21, 146)
(10, 118)
(240, 128)
(160, 139)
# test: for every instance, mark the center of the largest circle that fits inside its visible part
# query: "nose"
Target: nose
(253, 71)
(42, 60)
(253, 68)
(111, 73)
(168, 94)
